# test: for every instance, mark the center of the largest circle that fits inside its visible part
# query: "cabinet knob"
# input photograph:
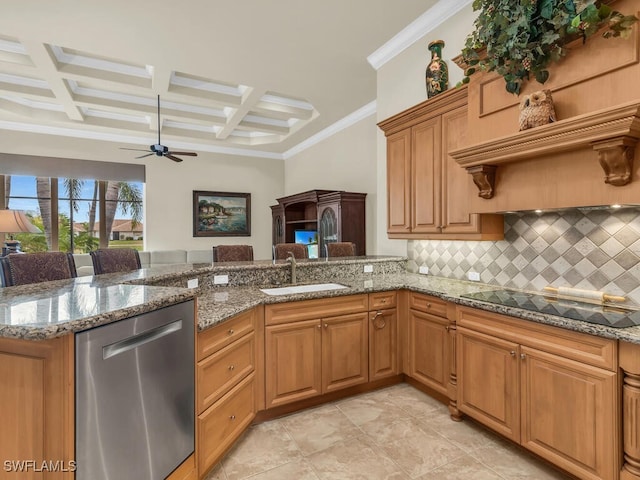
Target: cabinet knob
(232, 367)
(326, 325)
(522, 356)
(319, 326)
(428, 305)
(231, 332)
(383, 300)
(232, 417)
(512, 353)
(447, 328)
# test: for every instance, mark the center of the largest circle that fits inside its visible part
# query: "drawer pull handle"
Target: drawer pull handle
(232, 417)
(512, 353)
(383, 300)
(522, 356)
(231, 367)
(428, 305)
(378, 320)
(231, 332)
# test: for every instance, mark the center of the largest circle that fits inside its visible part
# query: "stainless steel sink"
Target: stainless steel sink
(316, 287)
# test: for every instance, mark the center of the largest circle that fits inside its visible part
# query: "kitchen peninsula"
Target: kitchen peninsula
(393, 326)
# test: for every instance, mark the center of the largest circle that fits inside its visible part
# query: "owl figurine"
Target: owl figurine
(536, 109)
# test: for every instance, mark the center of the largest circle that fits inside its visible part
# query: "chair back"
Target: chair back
(281, 250)
(26, 268)
(232, 253)
(112, 260)
(340, 249)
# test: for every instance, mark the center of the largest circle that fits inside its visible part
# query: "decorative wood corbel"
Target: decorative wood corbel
(616, 159)
(484, 176)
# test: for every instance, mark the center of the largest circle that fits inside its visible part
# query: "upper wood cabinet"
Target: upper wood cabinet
(427, 191)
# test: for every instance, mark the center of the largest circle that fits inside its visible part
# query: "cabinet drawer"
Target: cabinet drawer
(428, 304)
(224, 421)
(313, 309)
(219, 372)
(582, 347)
(382, 300)
(215, 338)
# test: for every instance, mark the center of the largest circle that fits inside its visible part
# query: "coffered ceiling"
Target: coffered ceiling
(255, 75)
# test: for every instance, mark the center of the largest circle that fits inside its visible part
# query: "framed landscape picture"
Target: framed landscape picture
(221, 214)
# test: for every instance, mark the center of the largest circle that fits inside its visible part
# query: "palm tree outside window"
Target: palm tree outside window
(80, 206)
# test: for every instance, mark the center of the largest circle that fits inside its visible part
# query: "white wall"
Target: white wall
(345, 161)
(169, 187)
(401, 84)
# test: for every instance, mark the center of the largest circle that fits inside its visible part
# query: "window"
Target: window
(79, 205)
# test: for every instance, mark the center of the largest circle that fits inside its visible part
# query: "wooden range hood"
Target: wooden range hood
(586, 158)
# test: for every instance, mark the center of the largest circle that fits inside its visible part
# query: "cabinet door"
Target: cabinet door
(456, 182)
(399, 182)
(383, 344)
(293, 358)
(428, 350)
(328, 227)
(37, 416)
(345, 357)
(488, 386)
(426, 171)
(569, 414)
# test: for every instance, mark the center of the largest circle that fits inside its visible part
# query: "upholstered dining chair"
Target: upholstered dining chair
(232, 253)
(112, 260)
(26, 268)
(281, 250)
(340, 249)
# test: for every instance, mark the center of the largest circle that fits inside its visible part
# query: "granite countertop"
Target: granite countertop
(215, 306)
(53, 309)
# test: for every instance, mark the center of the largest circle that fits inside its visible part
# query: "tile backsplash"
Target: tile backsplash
(590, 249)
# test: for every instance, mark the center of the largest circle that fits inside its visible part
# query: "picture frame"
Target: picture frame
(221, 214)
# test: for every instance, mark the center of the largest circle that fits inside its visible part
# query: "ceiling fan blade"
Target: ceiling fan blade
(135, 149)
(190, 154)
(147, 155)
(175, 159)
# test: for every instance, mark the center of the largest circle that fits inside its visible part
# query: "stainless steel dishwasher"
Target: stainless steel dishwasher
(135, 396)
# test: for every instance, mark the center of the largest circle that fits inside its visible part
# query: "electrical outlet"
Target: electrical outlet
(220, 279)
(192, 283)
(424, 270)
(473, 276)
(368, 269)
(368, 284)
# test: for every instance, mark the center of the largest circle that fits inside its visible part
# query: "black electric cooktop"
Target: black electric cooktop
(615, 317)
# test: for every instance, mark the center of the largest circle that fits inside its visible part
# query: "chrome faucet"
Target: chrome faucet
(292, 260)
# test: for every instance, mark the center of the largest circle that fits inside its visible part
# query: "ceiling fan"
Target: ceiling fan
(159, 149)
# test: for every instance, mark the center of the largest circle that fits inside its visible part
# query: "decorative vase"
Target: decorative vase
(437, 74)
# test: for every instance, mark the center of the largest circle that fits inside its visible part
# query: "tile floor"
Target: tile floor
(396, 433)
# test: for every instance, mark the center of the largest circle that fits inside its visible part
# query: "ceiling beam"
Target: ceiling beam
(250, 98)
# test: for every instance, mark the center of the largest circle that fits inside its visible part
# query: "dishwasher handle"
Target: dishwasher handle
(135, 341)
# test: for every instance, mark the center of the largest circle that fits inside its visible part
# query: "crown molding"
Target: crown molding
(351, 119)
(429, 20)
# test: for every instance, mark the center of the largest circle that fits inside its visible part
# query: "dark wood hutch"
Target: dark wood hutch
(336, 215)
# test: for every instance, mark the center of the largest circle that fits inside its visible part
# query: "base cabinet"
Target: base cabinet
(552, 390)
(226, 386)
(384, 358)
(36, 408)
(312, 357)
(429, 352)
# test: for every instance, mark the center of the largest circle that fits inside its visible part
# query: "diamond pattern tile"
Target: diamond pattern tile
(592, 249)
